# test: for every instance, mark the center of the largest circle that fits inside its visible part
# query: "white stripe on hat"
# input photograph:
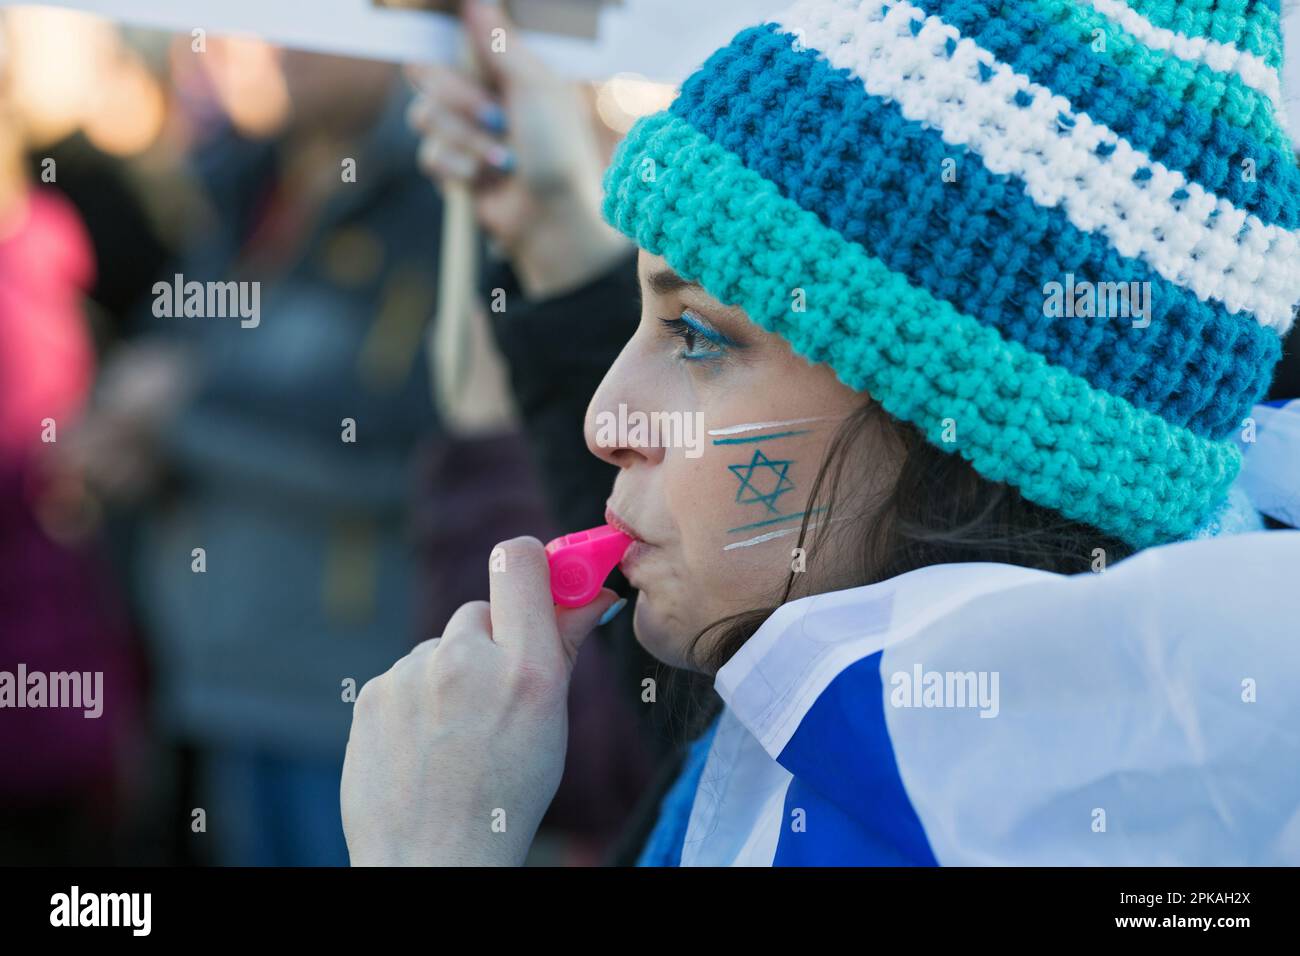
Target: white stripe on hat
(1201, 242)
(1223, 57)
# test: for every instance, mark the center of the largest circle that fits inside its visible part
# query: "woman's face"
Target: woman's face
(718, 430)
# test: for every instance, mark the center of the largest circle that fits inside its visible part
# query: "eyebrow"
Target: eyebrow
(666, 282)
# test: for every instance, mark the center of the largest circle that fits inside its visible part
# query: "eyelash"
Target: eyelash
(692, 333)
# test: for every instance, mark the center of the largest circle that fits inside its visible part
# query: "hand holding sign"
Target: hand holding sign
(523, 140)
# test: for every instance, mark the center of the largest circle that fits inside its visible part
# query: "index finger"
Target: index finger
(454, 92)
(519, 581)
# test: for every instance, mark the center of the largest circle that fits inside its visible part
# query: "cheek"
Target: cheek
(739, 506)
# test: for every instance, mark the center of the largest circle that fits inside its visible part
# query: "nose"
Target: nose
(623, 399)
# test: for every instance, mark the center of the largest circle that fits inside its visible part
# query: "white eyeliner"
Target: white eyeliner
(755, 426)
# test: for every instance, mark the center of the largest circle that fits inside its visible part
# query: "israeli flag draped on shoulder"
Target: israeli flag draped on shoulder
(985, 714)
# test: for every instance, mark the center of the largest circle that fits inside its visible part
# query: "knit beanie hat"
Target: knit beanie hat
(1058, 236)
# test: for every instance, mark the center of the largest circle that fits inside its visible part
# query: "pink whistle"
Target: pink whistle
(580, 563)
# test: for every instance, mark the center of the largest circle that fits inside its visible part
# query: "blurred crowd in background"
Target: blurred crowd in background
(179, 509)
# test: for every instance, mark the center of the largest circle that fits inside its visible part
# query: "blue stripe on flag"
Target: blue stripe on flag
(855, 809)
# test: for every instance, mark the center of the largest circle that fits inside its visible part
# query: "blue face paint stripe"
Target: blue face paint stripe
(778, 520)
(742, 441)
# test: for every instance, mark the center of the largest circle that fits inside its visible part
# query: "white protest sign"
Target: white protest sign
(664, 40)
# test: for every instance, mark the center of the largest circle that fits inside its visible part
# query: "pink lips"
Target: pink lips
(638, 546)
(614, 521)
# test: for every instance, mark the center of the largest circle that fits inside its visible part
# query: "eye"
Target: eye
(700, 340)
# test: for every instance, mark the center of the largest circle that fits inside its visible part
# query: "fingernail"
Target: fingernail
(492, 118)
(611, 612)
(500, 158)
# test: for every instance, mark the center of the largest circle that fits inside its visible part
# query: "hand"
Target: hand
(114, 448)
(529, 154)
(456, 752)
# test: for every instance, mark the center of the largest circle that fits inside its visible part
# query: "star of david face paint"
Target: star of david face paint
(764, 479)
(715, 530)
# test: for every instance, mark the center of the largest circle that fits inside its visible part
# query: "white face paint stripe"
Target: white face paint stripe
(756, 426)
(748, 542)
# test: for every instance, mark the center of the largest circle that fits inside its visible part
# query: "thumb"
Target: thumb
(576, 623)
(497, 41)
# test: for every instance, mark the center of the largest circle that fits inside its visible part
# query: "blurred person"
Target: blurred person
(775, 170)
(235, 436)
(272, 458)
(66, 769)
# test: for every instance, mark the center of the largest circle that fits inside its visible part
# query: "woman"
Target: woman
(962, 315)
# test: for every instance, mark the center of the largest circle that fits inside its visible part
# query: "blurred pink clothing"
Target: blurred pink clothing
(46, 356)
(58, 610)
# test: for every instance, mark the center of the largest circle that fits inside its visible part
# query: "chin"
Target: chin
(665, 641)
